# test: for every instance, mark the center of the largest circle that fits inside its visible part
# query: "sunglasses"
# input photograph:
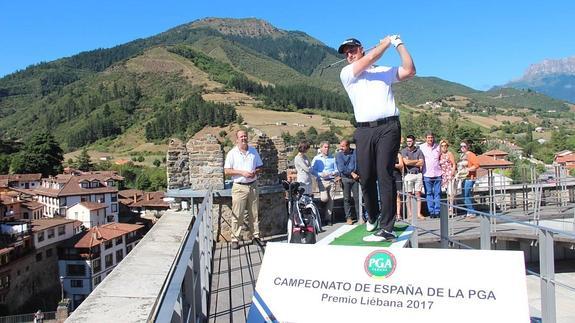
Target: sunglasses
(463, 146)
(351, 50)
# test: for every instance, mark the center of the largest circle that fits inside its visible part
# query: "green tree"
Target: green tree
(4, 164)
(559, 139)
(84, 162)
(157, 162)
(41, 154)
(143, 182)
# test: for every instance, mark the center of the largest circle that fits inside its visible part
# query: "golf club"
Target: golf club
(339, 62)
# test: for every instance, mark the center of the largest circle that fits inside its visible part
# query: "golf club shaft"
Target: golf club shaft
(339, 62)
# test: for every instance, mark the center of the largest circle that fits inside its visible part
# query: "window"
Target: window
(111, 183)
(114, 208)
(63, 201)
(109, 259)
(114, 197)
(26, 216)
(85, 185)
(85, 198)
(110, 218)
(5, 280)
(48, 253)
(39, 256)
(61, 230)
(76, 270)
(108, 244)
(40, 236)
(128, 249)
(76, 283)
(95, 184)
(97, 280)
(96, 265)
(119, 255)
(100, 198)
(51, 233)
(119, 241)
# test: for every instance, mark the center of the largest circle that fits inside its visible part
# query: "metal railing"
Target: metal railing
(185, 294)
(545, 239)
(25, 318)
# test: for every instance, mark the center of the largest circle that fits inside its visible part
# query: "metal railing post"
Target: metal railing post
(413, 205)
(444, 226)
(547, 273)
(485, 232)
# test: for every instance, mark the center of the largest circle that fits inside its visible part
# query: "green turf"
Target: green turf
(355, 237)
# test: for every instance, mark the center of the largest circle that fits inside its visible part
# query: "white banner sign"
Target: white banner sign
(312, 283)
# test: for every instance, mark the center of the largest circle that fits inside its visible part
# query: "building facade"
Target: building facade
(88, 258)
(61, 192)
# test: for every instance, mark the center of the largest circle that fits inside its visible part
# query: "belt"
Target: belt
(378, 122)
(247, 184)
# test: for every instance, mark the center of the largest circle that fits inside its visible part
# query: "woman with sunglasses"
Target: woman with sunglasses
(470, 164)
(448, 169)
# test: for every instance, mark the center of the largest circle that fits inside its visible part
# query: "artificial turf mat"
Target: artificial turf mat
(355, 237)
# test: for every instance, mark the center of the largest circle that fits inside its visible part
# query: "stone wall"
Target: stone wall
(272, 213)
(198, 165)
(269, 155)
(206, 160)
(177, 165)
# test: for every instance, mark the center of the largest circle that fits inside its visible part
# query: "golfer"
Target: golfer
(378, 129)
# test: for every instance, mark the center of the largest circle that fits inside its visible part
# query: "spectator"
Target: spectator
(431, 174)
(468, 163)
(347, 168)
(302, 166)
(323, 168)
(448, 169)
(242, 164)
(413, 181)
(398, 175)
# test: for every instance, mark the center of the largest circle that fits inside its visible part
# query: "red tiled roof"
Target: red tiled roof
(72, 184)
(151, 199)
(496, 152)
(32, 205)
(488, 162)
(93, 205)
(565, 159)
(22, 177)
(129, 194)
(106, 232)
(43, 224)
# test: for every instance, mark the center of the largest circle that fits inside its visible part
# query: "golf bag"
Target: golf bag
(303, 216)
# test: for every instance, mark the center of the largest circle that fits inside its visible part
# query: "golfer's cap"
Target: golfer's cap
(348, 42)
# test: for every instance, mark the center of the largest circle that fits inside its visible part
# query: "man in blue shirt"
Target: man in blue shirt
(347, 168)
(323, 168)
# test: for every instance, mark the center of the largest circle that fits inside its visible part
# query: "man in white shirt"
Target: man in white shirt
(378, 129)
(242, 164)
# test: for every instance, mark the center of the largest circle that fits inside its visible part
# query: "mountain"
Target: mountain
(555, 78)
(198, 74)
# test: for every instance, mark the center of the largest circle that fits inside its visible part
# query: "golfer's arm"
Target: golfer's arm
(371, 57)
(407, 68)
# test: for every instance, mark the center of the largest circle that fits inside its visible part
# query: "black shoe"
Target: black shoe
(235, 245)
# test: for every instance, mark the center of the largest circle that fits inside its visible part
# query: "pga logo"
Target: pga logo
(380, 264)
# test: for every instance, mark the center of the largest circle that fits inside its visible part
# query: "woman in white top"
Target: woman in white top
(302, 166)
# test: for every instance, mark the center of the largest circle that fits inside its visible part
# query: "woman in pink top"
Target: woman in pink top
(448, 167)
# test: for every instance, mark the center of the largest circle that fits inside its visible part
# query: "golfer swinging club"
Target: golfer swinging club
(378, 128)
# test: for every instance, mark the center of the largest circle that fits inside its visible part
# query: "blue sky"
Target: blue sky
(476, 43)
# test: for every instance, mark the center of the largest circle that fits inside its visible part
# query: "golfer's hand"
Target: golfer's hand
(395, 40)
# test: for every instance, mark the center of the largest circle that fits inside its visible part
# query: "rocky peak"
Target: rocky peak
(551, 66)
(247, 27)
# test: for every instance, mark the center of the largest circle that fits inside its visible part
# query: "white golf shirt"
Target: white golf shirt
(249, 161)
(370, 92)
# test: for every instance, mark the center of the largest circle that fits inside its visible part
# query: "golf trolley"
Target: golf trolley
(304, 221)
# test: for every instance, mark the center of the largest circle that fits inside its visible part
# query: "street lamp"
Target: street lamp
(62, 287)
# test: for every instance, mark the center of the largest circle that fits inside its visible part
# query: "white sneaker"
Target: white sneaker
(371, 227)
(380, 236)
